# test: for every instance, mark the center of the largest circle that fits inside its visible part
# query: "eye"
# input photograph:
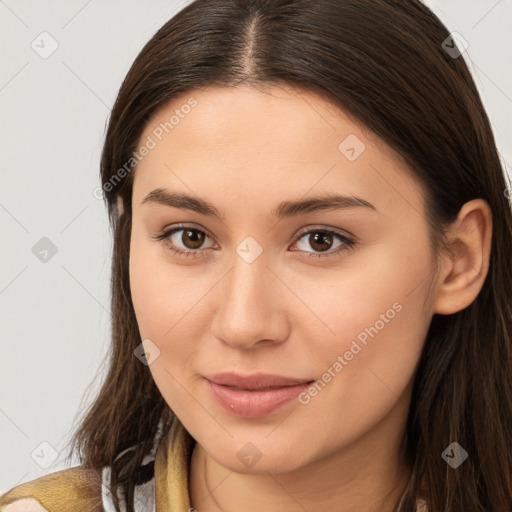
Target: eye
(184, 240)
(322, 241)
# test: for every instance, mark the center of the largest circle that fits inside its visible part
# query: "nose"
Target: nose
(251, 306)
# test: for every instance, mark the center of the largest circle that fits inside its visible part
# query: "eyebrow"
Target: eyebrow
(284, 209)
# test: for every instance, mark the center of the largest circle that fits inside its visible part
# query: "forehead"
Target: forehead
(268, 141)
(262, 116)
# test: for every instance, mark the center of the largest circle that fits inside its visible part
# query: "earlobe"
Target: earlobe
(465, 267)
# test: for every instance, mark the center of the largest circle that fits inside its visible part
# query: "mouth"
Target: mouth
(255, 395)
(257, 388)
(256, 381)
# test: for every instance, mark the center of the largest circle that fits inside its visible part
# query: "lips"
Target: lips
(252, 382)
(255, 395)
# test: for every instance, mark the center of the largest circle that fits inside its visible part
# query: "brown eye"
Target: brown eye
(192, 238)
(184, 240)
(321, 241)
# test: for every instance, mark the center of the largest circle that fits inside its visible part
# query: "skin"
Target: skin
(245, 150)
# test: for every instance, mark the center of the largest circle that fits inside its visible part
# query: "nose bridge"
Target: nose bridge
(249, 308)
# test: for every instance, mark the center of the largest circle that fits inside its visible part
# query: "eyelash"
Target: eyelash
(163, 237)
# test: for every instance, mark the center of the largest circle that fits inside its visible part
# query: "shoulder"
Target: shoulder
(77, 488)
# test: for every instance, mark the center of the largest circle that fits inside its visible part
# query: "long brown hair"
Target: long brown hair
(384, 62)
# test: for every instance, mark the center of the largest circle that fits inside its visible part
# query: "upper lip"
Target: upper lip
(254, 381)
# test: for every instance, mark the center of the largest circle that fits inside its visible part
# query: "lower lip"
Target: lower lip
(254, 404)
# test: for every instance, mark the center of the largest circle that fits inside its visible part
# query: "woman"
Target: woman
(310, 278)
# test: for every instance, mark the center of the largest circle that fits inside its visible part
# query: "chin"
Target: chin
(247, 458)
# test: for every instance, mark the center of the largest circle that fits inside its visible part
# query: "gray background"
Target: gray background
(55, 319)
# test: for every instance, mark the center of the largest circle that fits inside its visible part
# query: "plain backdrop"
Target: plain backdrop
(55, 238)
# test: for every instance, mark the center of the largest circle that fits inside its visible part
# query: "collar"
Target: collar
(168, 466)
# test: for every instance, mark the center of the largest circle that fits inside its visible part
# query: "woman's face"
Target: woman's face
(278, 275)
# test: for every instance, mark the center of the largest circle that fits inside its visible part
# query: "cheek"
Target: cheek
(376, 312)
(156, 290)
(163, 305)
(168, 303)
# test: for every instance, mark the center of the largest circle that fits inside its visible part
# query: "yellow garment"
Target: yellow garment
(79, 489)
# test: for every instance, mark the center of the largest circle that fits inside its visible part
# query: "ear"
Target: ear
(120, 205)
(464, 268)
